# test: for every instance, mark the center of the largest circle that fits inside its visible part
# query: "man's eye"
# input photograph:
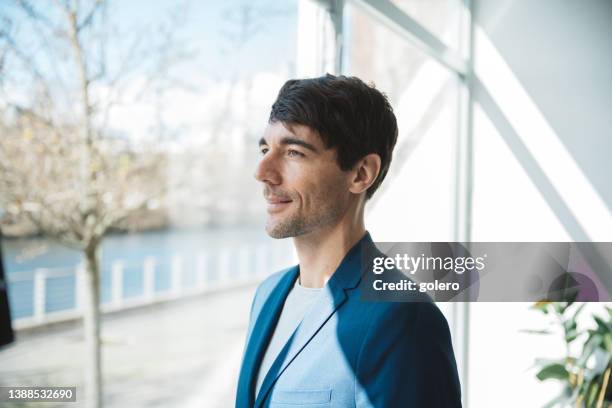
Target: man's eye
(294, 153)
(263, 150)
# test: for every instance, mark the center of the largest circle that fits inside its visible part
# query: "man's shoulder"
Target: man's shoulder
(402, 318)
(263, 291)
(267, 286)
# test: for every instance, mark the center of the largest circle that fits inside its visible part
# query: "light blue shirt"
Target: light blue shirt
(298, 302)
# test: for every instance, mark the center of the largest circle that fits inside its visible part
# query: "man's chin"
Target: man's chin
(280, 230)
(276, 233)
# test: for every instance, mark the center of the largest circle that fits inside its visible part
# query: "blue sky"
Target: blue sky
(207, 25)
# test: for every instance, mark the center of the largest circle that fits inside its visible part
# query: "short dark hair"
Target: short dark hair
(348, 114)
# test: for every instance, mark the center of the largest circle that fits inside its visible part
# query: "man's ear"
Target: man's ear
(365, 172)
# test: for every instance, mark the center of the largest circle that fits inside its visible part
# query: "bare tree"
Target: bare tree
(63, 69)
(243, 22)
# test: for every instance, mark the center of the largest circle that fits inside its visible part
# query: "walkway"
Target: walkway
(184, 353)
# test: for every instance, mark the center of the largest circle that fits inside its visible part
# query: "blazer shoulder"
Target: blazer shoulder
(265, 288)
(268, 284)
(409, 310)
(425, 315)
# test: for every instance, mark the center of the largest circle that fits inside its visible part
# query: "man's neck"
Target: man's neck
(321, 252)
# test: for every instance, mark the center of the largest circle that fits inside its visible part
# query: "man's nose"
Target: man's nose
(267, 170)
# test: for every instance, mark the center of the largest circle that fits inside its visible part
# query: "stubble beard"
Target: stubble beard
(299, 224)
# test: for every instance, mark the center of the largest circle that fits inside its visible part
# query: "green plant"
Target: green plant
(586, 373)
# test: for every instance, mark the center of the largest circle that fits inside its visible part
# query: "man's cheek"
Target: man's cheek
(333, 184)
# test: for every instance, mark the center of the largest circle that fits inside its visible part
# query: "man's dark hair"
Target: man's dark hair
(348, 114)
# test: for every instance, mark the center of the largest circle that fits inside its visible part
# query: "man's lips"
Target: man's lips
(275, 200)
(276, 204)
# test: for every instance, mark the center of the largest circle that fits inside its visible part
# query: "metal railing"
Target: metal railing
(211, 271)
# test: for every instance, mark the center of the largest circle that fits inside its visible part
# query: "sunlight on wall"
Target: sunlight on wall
(507, 205)
(542, 143)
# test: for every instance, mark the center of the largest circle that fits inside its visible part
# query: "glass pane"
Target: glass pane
(179, 94)
(441, 17)
(415, 202)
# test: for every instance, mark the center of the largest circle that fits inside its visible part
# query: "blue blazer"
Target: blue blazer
(349, 353)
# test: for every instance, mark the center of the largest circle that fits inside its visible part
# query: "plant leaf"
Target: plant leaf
(559, 307)
(556, 371)
(572, 335)
(578, 310)
(570, 324)
(591, 391)
(607, 342)
(602, 326)
(592, 343)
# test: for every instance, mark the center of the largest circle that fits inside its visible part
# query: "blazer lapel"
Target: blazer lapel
(346, 276)
(260, 337)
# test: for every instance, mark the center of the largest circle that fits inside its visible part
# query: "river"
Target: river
(24, 255)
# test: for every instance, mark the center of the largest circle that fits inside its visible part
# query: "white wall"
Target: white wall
(543, 135)
(543, 144)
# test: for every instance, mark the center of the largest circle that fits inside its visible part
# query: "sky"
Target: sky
(222, 53)
(207, 25)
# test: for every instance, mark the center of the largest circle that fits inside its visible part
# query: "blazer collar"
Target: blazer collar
(349, 272)
(260, 337)
(347, 276)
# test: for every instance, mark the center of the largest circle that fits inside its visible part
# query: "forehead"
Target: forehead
(277, 130)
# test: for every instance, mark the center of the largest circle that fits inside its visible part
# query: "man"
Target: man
(311, 342)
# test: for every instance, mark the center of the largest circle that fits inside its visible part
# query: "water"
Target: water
(23, 256)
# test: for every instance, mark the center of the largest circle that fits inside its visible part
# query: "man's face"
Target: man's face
(303, 185)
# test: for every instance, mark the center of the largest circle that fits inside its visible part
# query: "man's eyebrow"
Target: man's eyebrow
(288, 140)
